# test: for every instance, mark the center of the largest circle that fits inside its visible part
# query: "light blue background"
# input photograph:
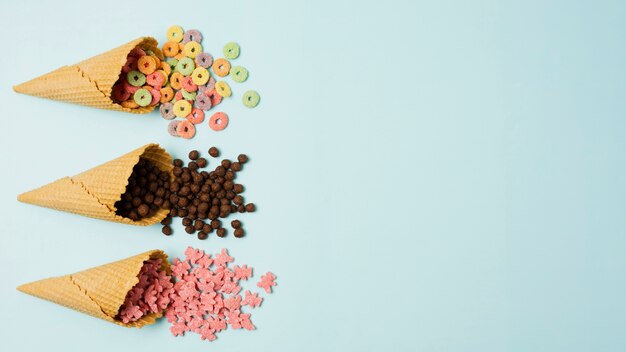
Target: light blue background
(443, 176)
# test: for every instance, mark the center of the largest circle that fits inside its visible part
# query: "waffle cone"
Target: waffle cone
(99, 291)
(89, 82)
(94, 192)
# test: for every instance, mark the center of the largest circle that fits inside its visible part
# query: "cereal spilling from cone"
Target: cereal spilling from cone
(141, 80)
(150, 295)
(181, 81)
(145, 186)
(201, 293)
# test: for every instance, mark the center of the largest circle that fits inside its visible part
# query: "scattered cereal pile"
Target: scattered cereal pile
(197, 195)
(191, 86)
(206, 297)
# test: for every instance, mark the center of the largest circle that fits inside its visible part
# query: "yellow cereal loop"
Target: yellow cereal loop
(192, 49)
(223, 89)
(182, 108)
(175, 34)
(200, 76)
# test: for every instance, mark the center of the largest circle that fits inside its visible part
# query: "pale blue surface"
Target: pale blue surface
(430, 177)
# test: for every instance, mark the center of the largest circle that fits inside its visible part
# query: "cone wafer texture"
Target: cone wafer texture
(93, 193)
(99, 291)
(89, 82)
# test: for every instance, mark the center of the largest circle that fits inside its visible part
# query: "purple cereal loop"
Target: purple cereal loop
(171, 128)
(192, 35)
(203, 102)
(130, 65)
(203, 90)
(167, 111)
(120, 94)
(204, 60)
(208, 87)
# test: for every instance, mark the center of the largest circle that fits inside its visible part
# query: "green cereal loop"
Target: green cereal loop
(251, 98)
(185, 66)
(136, 78)
(142, 97)
(239, 73)
(172, 63)
(231, 50)
(188, 95)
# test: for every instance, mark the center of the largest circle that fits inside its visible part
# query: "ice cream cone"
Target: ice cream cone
(94, 192)
(99, 291)
(89, 82)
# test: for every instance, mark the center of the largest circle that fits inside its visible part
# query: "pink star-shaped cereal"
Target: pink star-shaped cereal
(233, 303)
(162, 302)
(196, 323)
(131, 313)
(222, 258)
(231, 287)
(252, 299)
(205, 261)
(180, 268)
(189, 291)
(243, 272)
(244, 320)
(178, 328)
(219, 324)
(267, 281)
(234, 320)
(170, 315)
(203, 274)
(193, 255)
(207, 333)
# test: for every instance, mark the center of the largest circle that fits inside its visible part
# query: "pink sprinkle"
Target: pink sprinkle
(180, 268)
(193, 255)
(267, 281)
(244, 319)
(252, 299)
(243, 272)
(205, 261)
(178, 328)
(233, 304)
(231, 287)
(222, 258)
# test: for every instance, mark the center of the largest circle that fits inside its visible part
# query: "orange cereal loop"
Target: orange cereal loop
(167, 94)
(166, 67)
(146, 64)
(170, 49)
(179, 56)
(186, 129)
(181, 47)
(221, 67)
(176, 80)
(130, 104)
